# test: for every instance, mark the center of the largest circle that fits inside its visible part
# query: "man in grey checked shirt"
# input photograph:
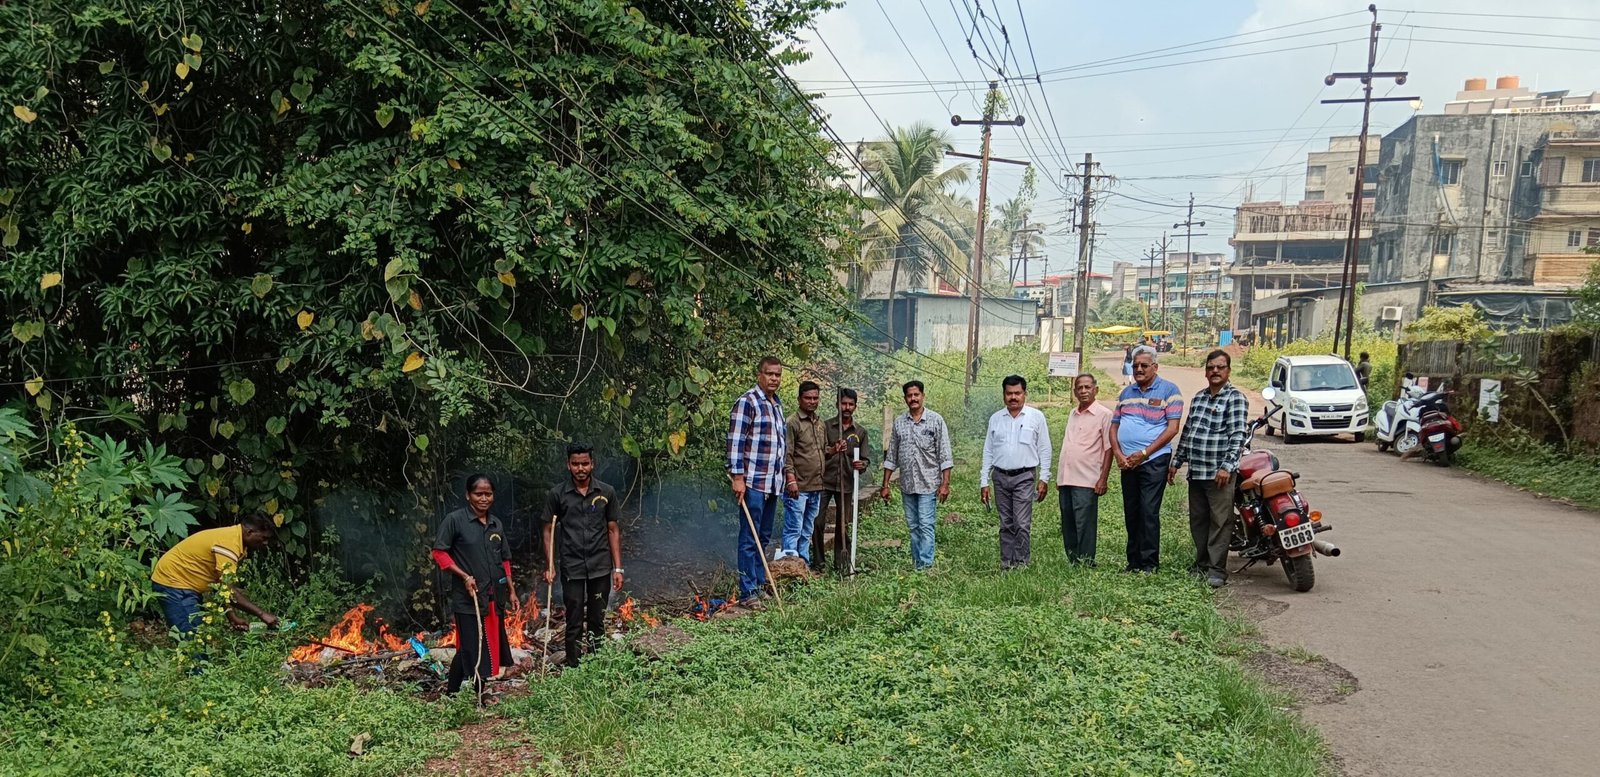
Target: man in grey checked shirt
(919, 447)
(1219, 419)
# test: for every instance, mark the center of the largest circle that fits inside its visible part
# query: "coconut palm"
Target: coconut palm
(1006, 236)
(912, 223)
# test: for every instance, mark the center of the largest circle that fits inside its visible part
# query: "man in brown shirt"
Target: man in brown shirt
(802, 474)
(842, 435)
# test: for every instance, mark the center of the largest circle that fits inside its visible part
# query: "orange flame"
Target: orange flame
(346, 636)
(517, 620)
(628, 615)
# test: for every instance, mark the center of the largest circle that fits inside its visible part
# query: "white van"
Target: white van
(1320, 396)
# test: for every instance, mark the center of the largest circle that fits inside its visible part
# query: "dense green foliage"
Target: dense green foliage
(378, 237)
(1506, 452)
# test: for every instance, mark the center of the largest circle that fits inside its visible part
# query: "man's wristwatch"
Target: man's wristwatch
(617, 571)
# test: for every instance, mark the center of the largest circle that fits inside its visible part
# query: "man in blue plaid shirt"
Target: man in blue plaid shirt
(1219, 419)
(755, 463)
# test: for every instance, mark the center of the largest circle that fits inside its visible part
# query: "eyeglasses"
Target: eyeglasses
(1138, 366)
(1217, 368)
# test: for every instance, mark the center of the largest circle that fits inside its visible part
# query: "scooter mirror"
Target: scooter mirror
(1269, 393)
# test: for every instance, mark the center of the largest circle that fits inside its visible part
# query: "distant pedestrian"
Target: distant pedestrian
(471, 545)
(802, 473)
(1144, 423)
(919, 449)
(207, 559)
(1219, 421)
(1085, 469)
(589, 549)
(1016, 455)
(756, 449)
(1127, 364)
(842, 436)
(1364, 370)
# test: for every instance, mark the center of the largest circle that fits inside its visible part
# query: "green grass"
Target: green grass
(1511, 457)
(1052, 669)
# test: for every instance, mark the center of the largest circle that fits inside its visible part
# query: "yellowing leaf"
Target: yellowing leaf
(50, 279)
(454, 165)
(245, 227)
(160, 109)
(413, 363)
(414, 301)
(305, 318)
(34, 385)
(677, 440)
(144, 86)
(277, 520)
(283, 105)
(576, 312)
(422, 7)
(367, 330)
(22, 112)
(181, 69)
(508, 279)
(270, 507)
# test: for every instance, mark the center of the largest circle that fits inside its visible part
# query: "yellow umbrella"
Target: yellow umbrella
(1117, 329)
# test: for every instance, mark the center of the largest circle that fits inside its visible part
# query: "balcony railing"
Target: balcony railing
(1272, 218)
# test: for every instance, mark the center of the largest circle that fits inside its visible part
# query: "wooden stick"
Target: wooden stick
(549, 593)
(483, 636)
(760, 551)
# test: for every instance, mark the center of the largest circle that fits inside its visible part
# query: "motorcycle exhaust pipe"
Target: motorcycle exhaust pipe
(1325, 547)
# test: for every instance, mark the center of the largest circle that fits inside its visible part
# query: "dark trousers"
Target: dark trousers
(1210, 525)
(1080, 522)
(1014, 496)
(483, 644)
(841, 534)
(1142, 490)
(586, 613)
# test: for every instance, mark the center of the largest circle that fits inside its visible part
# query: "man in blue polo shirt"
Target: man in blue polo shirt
(1143, 425)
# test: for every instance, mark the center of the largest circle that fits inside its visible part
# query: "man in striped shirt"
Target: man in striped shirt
(1219, 421)
(756, 449)
(1143, 425)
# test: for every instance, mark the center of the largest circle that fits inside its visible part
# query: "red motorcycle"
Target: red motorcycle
(1274, 522)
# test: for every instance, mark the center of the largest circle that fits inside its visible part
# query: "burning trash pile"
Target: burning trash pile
(423, 659)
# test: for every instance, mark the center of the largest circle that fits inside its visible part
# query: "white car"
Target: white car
(1320, 396)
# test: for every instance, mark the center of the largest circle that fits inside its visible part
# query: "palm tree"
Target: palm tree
(1014, 232)
(910, 221)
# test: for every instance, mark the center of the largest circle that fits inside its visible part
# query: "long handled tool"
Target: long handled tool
(549, 591)
(760, 551)
(855, 504)
(477, 666)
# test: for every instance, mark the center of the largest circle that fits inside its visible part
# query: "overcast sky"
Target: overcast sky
(1217, 98)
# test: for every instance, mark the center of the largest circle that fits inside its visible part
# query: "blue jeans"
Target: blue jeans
(920, 516)
(799, 520)
(752, 572)
(180, 606)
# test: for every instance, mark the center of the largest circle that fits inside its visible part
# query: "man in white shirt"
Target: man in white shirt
(1015, 452)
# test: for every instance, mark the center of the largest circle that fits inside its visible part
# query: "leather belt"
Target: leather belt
(1011, 473)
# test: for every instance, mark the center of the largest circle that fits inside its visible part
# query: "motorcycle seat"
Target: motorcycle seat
(1269, 483)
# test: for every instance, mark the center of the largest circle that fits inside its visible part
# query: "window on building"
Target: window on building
(1314, 196)
(1499, 169)
(1443, 242)
(1493, 238)
(1526, 169)
(1574, 238)
(1591, 171)
(1551, 170)
(1450, 172)
(1315, 175)
(1350, 170)
(1594, 237)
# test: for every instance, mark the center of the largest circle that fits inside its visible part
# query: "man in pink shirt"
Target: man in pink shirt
(1084, 469)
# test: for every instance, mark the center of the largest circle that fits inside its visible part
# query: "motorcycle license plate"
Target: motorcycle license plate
(1294, 537)
(1436, 437)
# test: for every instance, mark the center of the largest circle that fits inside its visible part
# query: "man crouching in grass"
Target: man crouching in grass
(185, 573)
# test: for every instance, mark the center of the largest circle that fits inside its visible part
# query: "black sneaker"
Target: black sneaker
(1216, 581)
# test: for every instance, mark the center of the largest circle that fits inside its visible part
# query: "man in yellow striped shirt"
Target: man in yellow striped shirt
(185, 573)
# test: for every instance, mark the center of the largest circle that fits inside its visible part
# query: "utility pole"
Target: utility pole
(1188, 276)
(976, 283)
(1163, 289)
(1352, 244)
(1152, 256)
(1080, 291)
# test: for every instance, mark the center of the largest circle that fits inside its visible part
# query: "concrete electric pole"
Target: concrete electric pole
(1188, 276)
(976, 282)
(1080, 291)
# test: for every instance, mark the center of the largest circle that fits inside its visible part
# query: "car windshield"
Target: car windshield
(1322, 377)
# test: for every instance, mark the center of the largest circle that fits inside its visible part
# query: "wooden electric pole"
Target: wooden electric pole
(975, 283)
(1188, 276)
(1345, 315)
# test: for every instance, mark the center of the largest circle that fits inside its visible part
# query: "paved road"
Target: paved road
(1466, 609)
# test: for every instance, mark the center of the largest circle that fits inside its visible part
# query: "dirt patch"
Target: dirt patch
(488, 748)
(1253, 607)
(1312, 680)
(660, 641)
(790, 568)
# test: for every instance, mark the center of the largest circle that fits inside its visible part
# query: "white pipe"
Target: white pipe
(855, 504)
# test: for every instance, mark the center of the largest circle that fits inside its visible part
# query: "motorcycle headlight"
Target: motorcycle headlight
(1299, 406)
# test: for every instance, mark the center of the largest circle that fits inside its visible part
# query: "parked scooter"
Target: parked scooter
(1274, 522)
(1420, 418)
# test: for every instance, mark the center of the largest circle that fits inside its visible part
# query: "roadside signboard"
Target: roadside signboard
(1063, 364)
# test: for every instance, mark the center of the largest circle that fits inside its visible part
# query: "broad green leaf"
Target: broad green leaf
(301, 91)
(393, 268)
(261, 285)
(241, 391)
(276, 424)
(107, 66)
(162, 151)
(36, 644)
(421, 442)
(631, 447)
(384, 115)
(225, 429)
(34, 385)
(27, 330)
